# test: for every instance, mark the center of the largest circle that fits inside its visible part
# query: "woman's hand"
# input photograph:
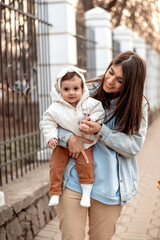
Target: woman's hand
(94, 127)
(75, 147)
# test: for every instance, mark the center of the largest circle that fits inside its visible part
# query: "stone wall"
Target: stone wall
(24, 219)
(26, 209)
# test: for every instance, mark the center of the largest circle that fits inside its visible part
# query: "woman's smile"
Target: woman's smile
(113, 79)
(109, 86)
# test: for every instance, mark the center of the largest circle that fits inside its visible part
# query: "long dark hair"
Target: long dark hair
(128, 110)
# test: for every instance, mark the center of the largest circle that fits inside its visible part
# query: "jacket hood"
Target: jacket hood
(65, 70)
(56, 87)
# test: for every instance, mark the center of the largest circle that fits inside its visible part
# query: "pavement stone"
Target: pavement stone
(140, 219)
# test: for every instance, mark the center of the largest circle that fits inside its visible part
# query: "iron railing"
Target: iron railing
(81, 44)
(85, 40)
(23, 30)
(116, 48)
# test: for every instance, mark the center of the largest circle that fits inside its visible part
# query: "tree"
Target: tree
(143, 17)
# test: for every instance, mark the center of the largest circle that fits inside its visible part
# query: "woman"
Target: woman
(121, 137)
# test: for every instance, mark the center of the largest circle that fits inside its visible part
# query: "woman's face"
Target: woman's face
(113, 80)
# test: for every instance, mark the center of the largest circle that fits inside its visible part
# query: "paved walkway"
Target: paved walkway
(140, 219)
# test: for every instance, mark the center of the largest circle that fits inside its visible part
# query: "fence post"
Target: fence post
(99, 21)
(124, 36)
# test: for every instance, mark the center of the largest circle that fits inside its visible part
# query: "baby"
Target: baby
(70, 105)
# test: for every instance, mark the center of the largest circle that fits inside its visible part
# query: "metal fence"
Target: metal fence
(81, 44)
(85, 41)
(22, 25)
(116, 48)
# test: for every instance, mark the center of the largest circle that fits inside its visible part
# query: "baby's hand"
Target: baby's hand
(83, 127)
(53, 143)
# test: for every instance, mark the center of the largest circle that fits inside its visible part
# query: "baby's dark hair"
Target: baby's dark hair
(70, 75)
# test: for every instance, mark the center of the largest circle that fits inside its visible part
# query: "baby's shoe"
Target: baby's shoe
(85, 201)
(54, 200)
(86, 191)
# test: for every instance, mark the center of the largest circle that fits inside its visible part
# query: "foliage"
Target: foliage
(142, 16)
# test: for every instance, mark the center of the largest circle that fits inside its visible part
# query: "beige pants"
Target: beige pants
(72, 217)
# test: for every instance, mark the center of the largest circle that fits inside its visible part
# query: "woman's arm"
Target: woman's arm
(63, 137)
(125, 145)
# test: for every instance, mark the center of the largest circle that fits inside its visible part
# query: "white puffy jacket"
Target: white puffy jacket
(61, 113)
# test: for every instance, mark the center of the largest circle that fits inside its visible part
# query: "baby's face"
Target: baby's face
(72, 90)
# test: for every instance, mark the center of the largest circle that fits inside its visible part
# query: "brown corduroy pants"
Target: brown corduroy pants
(58, 162)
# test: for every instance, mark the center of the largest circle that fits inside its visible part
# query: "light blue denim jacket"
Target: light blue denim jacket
(126, 148)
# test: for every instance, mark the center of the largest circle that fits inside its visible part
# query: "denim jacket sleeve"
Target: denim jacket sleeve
(63, 136)
(126, 145)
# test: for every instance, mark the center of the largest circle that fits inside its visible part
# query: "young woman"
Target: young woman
(121, 137)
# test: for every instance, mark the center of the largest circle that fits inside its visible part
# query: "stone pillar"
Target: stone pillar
(152, 59)
(153, 85)
(140, 47)
(124, 36)
(60, 38)
(99, 54)
(62, 50)
(63, 44)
